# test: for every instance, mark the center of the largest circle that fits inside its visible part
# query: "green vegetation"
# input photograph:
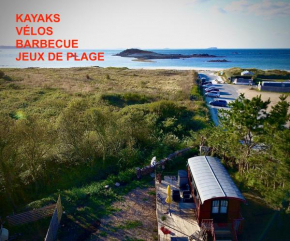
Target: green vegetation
(130, 224)
(153, 193)
(1, 74)
(122, 100)
(64, 133)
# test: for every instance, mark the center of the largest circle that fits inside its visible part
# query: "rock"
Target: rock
(219, 61)
(145, 55)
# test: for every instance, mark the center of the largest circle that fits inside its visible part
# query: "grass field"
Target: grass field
(48, 91)
(104, 80)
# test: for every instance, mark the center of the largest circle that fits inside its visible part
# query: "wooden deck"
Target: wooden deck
(181, 220)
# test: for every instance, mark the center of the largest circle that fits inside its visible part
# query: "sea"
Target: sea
(265, 59)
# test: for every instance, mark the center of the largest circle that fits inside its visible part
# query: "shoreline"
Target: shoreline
(149, 68)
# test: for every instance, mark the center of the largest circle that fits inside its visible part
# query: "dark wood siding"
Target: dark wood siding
(233, 209)
(205, 210)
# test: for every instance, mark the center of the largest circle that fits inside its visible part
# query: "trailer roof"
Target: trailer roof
(212, 179)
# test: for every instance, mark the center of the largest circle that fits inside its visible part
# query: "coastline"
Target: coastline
(267, 59)
(140, 67)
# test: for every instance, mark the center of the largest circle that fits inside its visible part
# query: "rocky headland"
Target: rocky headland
(143, 54)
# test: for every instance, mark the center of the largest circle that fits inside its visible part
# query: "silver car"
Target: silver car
(214, 94)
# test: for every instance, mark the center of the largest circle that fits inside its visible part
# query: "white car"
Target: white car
(207, 85)
(211, 88)
(214, 94)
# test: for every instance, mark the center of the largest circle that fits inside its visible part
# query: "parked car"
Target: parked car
(207, 85)
(212, 89)
(214, 94)
(222, 103)
(206, 82)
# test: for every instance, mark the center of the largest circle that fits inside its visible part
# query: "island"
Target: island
(212, 48)
(145, 55)
(218, 61)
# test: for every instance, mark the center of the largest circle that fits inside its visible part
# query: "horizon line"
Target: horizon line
(164, 48)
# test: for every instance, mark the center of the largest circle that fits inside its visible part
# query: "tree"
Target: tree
(244, 121)
(110, 135)
(74, 135)
(279, 116)
(37, 139)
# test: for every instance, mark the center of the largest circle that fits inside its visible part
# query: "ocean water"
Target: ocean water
(244, 58)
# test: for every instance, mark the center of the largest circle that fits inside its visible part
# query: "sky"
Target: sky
(149, 24)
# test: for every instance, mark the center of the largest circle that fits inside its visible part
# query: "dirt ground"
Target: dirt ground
(274, 97)
(134, 220)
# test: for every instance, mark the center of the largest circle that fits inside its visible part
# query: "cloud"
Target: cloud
(266, 8)
(217, 9)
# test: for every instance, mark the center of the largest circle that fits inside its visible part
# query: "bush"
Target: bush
(122, 100)
(1, 74)
(13, 87)
(126, 176)
(7, 78)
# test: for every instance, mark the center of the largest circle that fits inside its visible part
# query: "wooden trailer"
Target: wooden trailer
(217, 198)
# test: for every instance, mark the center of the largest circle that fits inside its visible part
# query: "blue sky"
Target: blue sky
(106, 24)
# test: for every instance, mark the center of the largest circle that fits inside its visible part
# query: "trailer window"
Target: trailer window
(215, 206)
(219, 206)
(224, 206)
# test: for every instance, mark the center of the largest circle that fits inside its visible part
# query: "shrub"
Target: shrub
(128, 175)
(1, 74)
(125, 99)
(7, 78)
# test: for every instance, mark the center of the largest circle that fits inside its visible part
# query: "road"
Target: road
(228, 92)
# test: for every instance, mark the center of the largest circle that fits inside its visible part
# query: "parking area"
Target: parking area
(228, 92)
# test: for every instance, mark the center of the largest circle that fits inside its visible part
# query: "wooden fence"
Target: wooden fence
(30, 216)
(34, 215)
(149, 169)
(51, 234)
